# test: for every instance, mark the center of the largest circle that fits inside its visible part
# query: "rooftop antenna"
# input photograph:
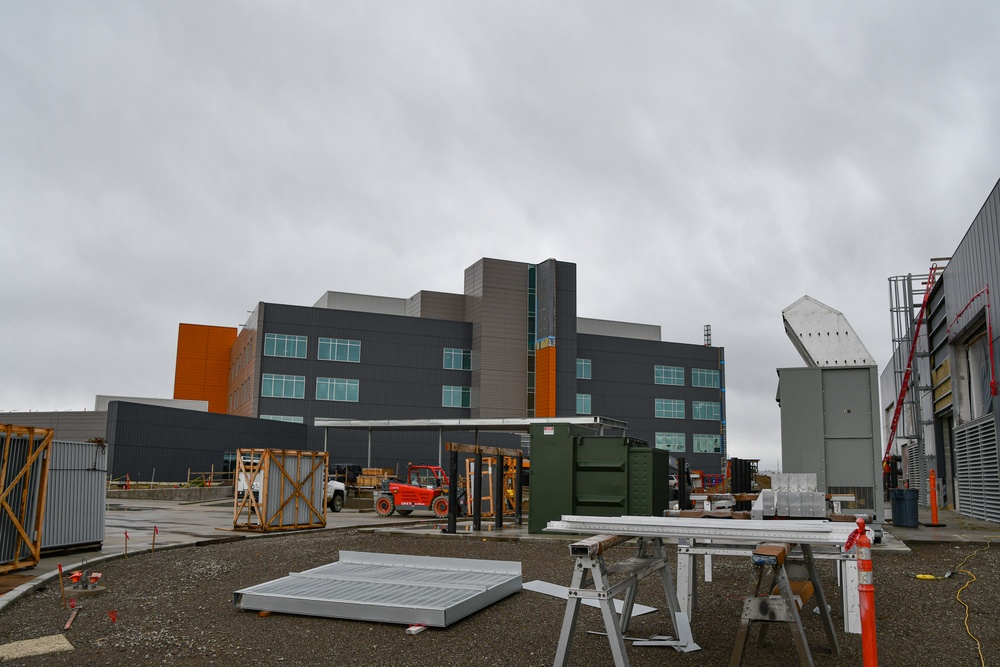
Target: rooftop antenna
(708, 335)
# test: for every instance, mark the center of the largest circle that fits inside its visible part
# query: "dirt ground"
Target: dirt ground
(176, 607)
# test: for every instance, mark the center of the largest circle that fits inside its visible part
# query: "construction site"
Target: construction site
(557, 537)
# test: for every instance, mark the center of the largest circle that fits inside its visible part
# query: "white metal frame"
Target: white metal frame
(715, 537)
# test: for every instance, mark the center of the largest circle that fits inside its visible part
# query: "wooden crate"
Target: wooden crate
(292, 492)
(373, 481)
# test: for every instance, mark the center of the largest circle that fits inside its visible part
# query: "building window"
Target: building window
(702, 377)
(707, 444)
(336, 389)
(339, 349)
(672, 442)
(583, 369)
(457, 359)
(669, 408)
(456, 397)
(583, 404)
(282, 418)
(280, 345)
(669, 375)
(705, 410)
(283, 386)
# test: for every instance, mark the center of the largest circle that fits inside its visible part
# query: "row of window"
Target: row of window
(666, 408)
(344, 349)
(670, 375)
(673, 408)
(283, 418)
(296, 347)
(677, 442)
(346, 390)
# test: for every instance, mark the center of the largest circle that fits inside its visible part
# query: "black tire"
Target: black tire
(384, 506)
(404, 512)
(337, 502)
(440, 507)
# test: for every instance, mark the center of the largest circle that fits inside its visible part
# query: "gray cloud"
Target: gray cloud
(701, 163)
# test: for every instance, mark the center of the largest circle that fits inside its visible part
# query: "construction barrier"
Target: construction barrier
(866, 595)
(932, 484)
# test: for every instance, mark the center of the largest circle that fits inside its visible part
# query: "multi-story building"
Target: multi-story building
(510, 345)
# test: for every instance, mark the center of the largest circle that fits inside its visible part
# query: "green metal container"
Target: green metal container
(576, 472)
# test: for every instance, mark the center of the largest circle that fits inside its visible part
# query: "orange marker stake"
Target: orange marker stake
(62, 587)
(126, 544)
(155, 533)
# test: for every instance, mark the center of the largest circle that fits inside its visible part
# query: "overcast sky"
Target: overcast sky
(700, 162)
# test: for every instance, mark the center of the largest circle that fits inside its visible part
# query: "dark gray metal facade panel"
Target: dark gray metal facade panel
(623, 387)
(400, 375)
(497, 306)
(974, 265)
(566, 345)
(436, 305)
(71, 426)
(147, 438)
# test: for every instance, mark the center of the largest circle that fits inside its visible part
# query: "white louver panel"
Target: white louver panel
(977, 468)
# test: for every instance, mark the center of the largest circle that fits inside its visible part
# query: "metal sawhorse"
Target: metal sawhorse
(782, 607)
(590, 581)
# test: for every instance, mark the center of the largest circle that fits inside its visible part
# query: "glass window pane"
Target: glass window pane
(703, 377)
(670, 375)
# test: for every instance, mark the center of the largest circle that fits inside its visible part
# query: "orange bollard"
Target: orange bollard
(932, 482)
(866, 596)
(128, 482)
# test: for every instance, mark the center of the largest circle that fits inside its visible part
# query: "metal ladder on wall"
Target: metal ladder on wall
(906, 339)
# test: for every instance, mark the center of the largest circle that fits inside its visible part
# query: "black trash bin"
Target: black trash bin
(904, 507)
(911, 498)
(898, 510)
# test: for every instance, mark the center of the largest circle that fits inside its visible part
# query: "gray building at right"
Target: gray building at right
(945, 356)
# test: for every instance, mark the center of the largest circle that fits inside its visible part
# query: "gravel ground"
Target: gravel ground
(175, 607)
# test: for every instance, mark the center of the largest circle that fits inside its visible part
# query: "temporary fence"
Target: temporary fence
(24, 471)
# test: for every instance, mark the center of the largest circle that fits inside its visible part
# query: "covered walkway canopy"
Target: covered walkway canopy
(600, 425)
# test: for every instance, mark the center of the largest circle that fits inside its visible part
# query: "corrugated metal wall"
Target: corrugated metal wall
(144, 439)
(974, 265)
(71, 426)
(74, 502)
(299, 472)
(497, 305)
(566, 346)
(977, 463)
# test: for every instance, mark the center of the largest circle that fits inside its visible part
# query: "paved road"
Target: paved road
(175, 523)
(178, 523)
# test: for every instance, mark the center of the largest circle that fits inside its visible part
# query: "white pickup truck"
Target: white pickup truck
(336, 492)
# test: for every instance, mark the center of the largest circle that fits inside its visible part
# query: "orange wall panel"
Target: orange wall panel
(202, 369)
(545, 382)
